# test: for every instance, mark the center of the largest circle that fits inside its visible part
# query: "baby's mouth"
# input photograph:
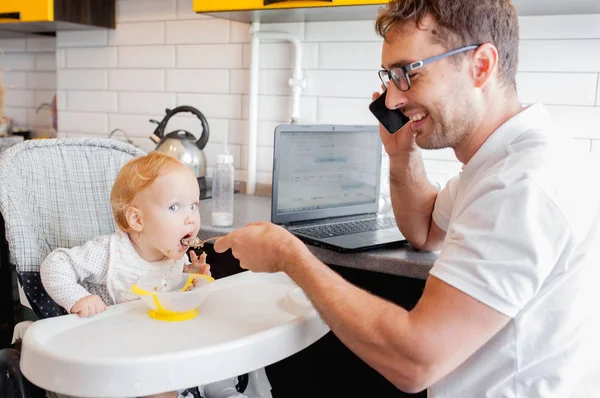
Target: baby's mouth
(186, 240)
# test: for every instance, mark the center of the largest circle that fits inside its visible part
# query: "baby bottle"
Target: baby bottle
(222, 190)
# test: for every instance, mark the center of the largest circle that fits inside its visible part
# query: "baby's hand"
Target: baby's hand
(89, 305)
(198, 264)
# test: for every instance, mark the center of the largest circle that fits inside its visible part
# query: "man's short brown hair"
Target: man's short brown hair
(461, 23)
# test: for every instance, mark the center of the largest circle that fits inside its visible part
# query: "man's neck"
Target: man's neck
(496, 114)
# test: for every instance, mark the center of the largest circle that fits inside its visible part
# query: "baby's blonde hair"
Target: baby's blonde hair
(135, 176)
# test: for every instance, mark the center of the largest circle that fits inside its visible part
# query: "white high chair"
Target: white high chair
(54, 193)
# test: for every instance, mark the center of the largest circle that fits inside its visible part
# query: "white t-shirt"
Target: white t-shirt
(521, 225)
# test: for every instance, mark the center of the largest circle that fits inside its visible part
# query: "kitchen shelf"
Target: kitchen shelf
(290, 11)
(44, 16)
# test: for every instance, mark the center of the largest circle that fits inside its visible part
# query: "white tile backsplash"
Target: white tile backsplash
(43, 96)
(15, 79)
(82, 122)
(41, 80)
(276, 108)
(40, 43)
(198, 31)
(344, 56)
(145, 103)
(82, 38)
(81, 79)
(18, 115)
(560, 27)
(18, 61)
(28, 71)
(557, 88)
(559, 56)
(185, 10)
(577, 121)
(45, 61)
(163, 55)
(95, 101)
(281, 55)
(221, 56)
(136, 79)
(348, 31)
(341, 83)
(140, 33)
(19, 98)
(13, 44)
(221, 106)
(345, 111)
(198, 80)
(146, 57)
(146, 10)
(94, 57)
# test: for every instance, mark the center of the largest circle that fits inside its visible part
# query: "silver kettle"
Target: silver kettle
(182, 144)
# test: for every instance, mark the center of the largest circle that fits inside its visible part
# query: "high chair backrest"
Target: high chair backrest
(56, 193)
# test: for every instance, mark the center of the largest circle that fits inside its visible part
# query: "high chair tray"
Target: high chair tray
(246, 322)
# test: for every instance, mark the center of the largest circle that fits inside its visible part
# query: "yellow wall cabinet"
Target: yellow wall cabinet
(289, 10)
(47, 16)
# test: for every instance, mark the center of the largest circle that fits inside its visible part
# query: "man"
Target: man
(507, 309)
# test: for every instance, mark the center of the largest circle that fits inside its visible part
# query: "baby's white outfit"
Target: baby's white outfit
(107, 266)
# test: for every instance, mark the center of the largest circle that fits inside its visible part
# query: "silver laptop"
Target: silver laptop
(326, 182)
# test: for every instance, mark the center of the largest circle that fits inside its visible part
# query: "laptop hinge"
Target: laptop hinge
(331, 219)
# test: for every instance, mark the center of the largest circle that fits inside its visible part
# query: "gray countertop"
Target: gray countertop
(403, 261)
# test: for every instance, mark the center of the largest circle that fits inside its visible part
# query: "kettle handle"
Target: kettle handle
(160, 129)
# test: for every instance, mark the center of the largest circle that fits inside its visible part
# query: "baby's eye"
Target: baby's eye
(174, 207)
(194, 206)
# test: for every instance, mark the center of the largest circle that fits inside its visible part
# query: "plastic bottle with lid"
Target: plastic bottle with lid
(222, 190)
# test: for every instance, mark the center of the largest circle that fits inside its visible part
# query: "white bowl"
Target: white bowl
(171, 302)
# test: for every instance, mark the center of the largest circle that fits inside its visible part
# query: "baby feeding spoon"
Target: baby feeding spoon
(196, 242)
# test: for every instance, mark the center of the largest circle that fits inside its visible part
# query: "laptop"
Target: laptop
(326, 183)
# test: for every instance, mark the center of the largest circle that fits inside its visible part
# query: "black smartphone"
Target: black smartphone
(391, 119)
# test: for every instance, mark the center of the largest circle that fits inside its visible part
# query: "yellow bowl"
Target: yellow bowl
(173, 302)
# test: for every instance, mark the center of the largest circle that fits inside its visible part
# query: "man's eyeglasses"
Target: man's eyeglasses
(399, 74)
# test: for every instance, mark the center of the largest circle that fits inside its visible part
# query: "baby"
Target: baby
(155, 205)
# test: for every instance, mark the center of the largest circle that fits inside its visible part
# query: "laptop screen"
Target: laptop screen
(325, 171)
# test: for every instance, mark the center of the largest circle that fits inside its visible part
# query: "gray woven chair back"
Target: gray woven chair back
(56, 193)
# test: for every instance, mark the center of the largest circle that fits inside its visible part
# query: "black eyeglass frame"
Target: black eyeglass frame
(416, 65)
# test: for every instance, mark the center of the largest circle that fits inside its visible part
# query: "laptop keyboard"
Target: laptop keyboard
(346, 228)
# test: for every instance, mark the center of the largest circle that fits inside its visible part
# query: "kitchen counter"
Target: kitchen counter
(402, 260)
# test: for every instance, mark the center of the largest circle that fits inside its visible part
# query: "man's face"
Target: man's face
(439, 100)
(170, 212)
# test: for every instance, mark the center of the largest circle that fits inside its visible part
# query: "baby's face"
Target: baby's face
(170, 211)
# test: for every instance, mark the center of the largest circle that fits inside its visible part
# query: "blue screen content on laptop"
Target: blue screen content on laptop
(327, 169)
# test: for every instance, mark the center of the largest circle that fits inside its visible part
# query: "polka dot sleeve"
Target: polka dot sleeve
(64, 269)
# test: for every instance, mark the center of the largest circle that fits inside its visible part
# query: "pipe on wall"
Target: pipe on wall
(297, 82)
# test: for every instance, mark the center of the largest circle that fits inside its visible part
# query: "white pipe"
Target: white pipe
(297, 82)
(253, 110)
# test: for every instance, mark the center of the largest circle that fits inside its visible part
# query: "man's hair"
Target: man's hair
(461, 23)
(135, 176)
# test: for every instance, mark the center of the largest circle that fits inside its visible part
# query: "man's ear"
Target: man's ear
(134, 218)
(485, 64)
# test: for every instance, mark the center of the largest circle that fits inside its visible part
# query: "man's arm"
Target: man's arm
(413, 198)
(413, 350)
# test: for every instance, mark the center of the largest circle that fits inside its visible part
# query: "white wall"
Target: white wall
(163, 55)
(30, 80)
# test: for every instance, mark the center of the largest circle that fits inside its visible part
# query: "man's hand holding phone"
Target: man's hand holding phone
(402, 138)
